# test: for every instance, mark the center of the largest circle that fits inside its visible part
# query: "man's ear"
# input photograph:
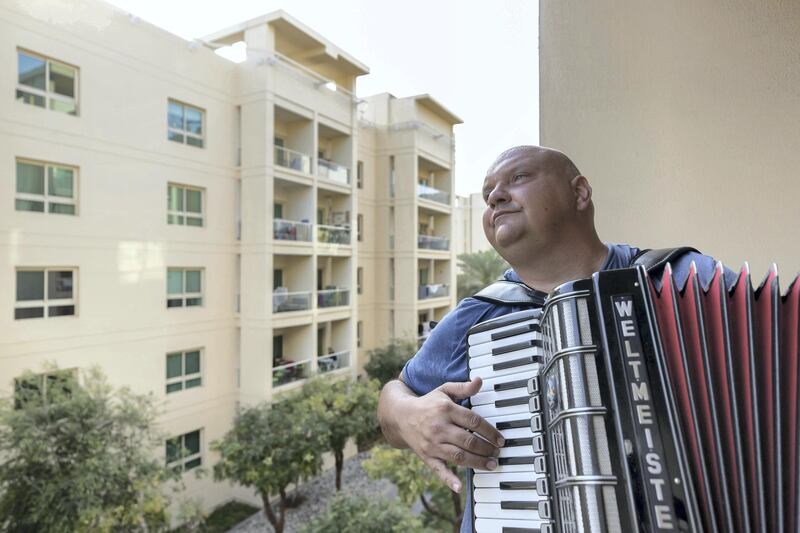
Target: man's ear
(583, 192)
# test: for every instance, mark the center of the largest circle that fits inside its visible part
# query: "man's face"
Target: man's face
(526, 203)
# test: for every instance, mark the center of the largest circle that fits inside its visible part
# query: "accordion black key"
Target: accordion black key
(632, 404)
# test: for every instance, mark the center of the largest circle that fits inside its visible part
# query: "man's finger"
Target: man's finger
(466, 418)
(461, 390)
(470, 442)
(445, 474)
(461, 457)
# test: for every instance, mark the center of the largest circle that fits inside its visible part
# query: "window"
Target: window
(49, 386)
(45, 188)
(183, 452)
(391, 176)
(184, 205)
(183, 370)
(359, 279)
(277, 278)
(277, 210)
(44, 292)
(359, 225)
(359, 328)
(277, 350)
(185, 123)
(360, 174)
(184, 287)
(47, 83)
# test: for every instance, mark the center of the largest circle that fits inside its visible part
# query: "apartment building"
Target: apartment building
(468, 225)
(406, 258)
(193, 226)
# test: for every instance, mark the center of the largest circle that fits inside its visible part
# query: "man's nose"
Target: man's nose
(498, 196)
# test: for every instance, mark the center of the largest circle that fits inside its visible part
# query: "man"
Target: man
(539, 217)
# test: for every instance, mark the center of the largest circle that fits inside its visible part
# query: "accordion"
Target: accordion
(634, 404)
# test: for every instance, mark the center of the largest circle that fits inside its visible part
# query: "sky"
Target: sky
(479, 58)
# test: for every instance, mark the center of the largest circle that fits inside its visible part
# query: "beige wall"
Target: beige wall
(468, 225)
(684, 116)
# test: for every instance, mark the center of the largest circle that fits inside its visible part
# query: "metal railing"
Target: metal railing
(435, 195)
(291, 230)
(333, 361)
(433, 243)
(290, 371)
(333, 297)
(333, 234)
(333, 171)
(436, 290)
(288, 158)
(284, 301)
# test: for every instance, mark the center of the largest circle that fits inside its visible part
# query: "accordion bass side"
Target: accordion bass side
(632, 404)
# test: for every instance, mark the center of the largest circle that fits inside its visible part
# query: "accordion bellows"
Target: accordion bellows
(634, 404)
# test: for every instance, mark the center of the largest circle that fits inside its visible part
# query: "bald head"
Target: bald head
(551, 161)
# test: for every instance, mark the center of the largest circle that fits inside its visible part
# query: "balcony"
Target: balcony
(333, 361)
(288, 371)
(333, 297)
(333, 171)
(333, 234)
(284, 157)
(435, 195)
(438, 290)
(433, 243)
(291, 230)
(284, 301)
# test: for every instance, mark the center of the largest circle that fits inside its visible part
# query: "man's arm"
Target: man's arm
(434, 427)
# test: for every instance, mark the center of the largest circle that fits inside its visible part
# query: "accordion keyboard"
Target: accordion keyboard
(506, 353)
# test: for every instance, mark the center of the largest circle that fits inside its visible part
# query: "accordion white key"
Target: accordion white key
(630, 405)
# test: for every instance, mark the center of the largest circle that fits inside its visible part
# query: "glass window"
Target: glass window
(184, 205)
(49, 386)
(47, 83)
(59, 195)
(184, 287)
(183, 370)
(359, 225)
(184, 452)
(45, 292)
(360, 174)
(185, 123)
(359, 328)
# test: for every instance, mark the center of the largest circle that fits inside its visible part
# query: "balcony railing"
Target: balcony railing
(333, 234)
(333, 171)
(333, 361)
(289, 371)
(293, 159)
(437, 290)
(333, 297)
(284, 301)
(291, 230)
(433, 243)
(435, 195)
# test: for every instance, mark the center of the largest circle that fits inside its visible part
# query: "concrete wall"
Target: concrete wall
(684, 116)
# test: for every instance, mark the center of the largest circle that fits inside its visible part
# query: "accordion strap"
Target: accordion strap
(505, 292)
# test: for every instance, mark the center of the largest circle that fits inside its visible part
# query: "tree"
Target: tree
(479, 269)
(349, 409)
(270, 447)
(443, 508)
(385, 363)
(79, 457)
(348, 513)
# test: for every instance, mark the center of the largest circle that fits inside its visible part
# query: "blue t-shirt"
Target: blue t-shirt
(443, 356)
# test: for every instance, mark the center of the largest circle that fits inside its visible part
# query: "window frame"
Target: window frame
(359, 174)
(46, 303)
(359, 280)
(359, 226)
(184, 296)
(72, 376)
(46, 197)
(359, 333)
(182, 460)
(184, 214)
(184, 378)
(46, 93)
(185, 132)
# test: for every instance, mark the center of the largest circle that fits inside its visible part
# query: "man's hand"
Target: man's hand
(435, 427)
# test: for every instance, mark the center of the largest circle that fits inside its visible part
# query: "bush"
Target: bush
(385, 363)
(359, 514)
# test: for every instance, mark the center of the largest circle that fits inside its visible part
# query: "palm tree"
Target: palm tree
(478, 270)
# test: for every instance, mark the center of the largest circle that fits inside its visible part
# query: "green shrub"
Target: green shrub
(359, 514)
(385, 363)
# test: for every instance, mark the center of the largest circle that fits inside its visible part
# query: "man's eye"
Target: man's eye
(519, 177)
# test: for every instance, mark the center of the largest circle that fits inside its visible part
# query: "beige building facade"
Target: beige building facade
(684, 117)
(470, 237)
(406, 209)
(209, 231)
